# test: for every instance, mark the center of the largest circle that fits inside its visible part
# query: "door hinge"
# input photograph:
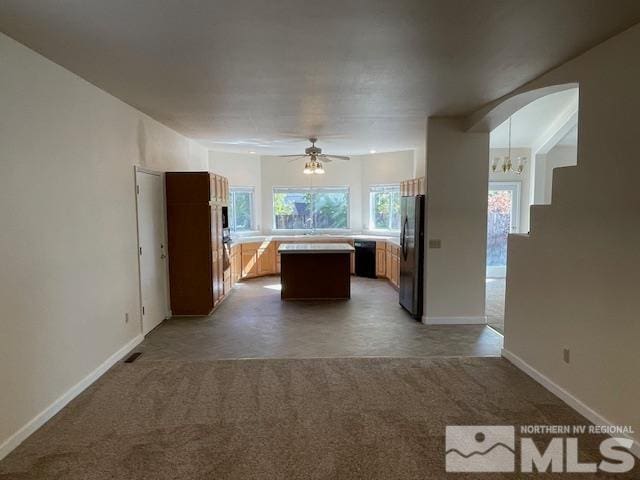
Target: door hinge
(140, 250)
(138, 189)
(143, 310)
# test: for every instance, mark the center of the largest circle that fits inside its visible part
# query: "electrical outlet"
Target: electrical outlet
(566, 355)
(126, 317)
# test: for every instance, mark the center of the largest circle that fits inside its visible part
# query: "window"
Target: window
(314, 208)
(502, 219)
(241, 209)
(384, 207)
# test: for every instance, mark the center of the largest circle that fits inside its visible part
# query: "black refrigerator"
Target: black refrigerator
(412, 213)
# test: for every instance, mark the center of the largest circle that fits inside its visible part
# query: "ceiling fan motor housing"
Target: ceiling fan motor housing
(313, 150)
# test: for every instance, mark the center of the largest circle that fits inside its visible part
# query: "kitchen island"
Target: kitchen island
(315, 271)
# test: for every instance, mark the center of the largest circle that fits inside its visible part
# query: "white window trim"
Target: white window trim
(277, 189)
(375, 188)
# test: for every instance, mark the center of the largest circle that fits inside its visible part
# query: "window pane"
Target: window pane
(292, 210)
(242, 211)
(321, 208)
(385, 207)
(395, 211)
(330, 209)
(498, 226)
(382, 210)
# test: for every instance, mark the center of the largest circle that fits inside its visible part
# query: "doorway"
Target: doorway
(503, 218)
(152, 257)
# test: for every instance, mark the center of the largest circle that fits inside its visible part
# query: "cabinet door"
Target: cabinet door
(225, 191)
(266, 260)
(249, 260)
(381, 261)
(394, 270)
(387, 262)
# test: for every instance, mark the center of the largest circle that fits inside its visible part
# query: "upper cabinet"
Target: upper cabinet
(413, 186)
(219, 189)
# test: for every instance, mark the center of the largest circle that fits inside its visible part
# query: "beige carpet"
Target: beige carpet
(369, 418)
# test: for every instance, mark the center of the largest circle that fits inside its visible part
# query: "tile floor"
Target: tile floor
(254, 323)
(495, 303)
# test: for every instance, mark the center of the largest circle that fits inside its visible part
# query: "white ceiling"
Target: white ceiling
(360, 74)
(531, 122)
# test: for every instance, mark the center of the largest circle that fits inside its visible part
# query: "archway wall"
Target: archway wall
(574, 282)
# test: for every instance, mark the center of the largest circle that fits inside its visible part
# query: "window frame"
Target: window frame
(300, 189)
(232, 209)
(381, 188)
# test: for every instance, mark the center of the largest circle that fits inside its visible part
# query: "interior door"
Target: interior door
(151, 251)
(502, 219)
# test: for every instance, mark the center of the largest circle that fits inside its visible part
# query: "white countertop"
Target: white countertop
(314, 237)
(315, 248)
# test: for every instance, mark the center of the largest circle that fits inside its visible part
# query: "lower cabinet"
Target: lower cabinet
(267, 259)
(381, 259)
(249, 260)
(392, 264)
(235, 259)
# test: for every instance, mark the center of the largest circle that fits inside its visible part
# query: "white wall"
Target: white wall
(278, 172)
(574, 282)
(523, 179)
(558, 156)
(69, 263)
(358, 174)
(242, 170)
(383, 168)
(457, 184)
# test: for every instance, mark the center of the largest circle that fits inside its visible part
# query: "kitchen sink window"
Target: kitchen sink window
(313, 208)
(241, 217)
(384, 207)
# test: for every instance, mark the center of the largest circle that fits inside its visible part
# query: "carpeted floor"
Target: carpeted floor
(368, 418)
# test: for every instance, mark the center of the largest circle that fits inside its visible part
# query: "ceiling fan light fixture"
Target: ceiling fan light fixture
(308, 168)
(319, 169)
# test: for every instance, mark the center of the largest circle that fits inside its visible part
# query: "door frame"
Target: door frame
(516, 187)
(167, 307)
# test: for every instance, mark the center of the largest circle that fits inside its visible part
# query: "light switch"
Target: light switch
(435, 243)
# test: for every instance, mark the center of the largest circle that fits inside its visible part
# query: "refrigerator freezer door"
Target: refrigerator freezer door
(411, 256)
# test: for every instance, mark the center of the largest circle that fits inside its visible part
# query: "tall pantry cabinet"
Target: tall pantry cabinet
(197, 260)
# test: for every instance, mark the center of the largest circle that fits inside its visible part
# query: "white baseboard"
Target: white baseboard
(482, 320)
(36, 422)
(575, 403)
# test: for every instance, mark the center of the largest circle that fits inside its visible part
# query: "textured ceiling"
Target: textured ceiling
(257, 74)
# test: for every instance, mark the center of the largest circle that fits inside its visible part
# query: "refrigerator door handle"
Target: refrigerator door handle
(403, 239)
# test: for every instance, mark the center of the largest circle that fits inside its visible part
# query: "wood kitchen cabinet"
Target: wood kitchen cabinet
(196, 257)
(381, 259)
(392, 264)
(267, 259)
(235, 260)
(249, 260)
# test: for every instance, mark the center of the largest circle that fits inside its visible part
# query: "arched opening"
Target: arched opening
(525, 148)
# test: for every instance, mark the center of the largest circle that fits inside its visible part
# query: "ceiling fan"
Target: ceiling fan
(315, 158)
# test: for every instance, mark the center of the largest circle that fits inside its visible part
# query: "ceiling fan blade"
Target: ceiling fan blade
(289, 156)
(298, 157)
(326, 160)
(338, 157)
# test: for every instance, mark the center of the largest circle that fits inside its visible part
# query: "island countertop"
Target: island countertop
(293, 248)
